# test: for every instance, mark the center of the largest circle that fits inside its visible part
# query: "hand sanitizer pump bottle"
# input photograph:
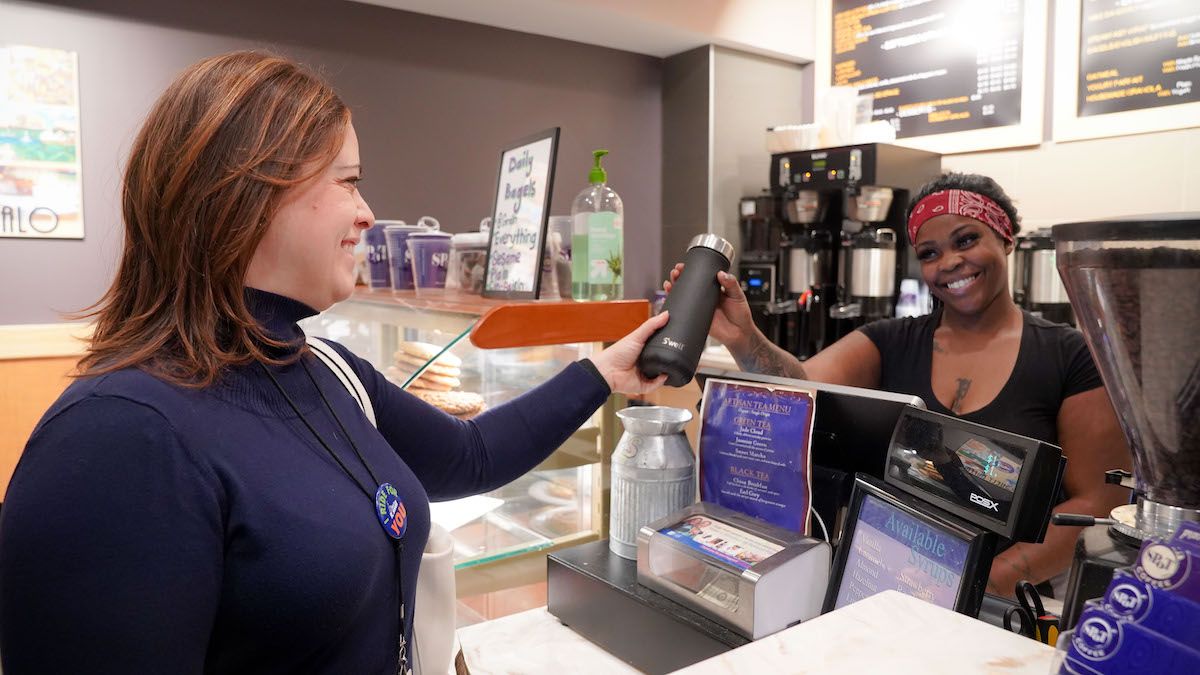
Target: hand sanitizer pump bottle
(597, 238)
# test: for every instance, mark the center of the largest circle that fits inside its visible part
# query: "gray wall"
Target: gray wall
(717, 105)
(750, 93)
(434, 102)
(685, 148)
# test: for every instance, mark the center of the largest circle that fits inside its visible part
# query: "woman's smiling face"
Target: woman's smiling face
(963, 261)
(307, 252)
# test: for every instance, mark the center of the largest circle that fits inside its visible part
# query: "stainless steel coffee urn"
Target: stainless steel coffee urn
(810, 254)
(653, 473)
(868, 265)
(1036, 284)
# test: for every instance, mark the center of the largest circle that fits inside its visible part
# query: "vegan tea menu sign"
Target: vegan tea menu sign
(519, 219)
(754, 450)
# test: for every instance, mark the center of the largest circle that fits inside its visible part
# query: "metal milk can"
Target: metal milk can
(653, 473)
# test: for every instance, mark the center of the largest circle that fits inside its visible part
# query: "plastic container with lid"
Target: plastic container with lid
(468, 259)
(556, 263)
(430, 258)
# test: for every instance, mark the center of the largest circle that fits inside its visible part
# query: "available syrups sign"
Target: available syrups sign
(41, 194)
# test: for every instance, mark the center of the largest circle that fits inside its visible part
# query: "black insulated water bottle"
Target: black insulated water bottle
(676, 347)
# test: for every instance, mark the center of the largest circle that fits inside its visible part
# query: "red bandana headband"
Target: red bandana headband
(960, 203)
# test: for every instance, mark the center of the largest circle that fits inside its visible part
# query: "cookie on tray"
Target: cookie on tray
(421, 383)
(433, 381)
(426, 351)
(437, 367)
(399, 376)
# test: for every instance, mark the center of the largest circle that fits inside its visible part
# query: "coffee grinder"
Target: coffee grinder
(758, 266)
(844, 253)
(1036, 285)
(1132, 283)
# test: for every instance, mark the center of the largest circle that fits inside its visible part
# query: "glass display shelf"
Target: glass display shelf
(449, 346)
(536, 511)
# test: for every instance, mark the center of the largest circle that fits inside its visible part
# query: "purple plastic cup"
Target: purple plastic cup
(430, 257)
(399, 258)
(379, 272)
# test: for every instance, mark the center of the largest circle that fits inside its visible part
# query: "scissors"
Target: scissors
(1035, 622)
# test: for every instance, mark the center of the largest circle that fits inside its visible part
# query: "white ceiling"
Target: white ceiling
(779, 28)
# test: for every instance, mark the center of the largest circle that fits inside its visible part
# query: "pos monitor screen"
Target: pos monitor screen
(893, 542)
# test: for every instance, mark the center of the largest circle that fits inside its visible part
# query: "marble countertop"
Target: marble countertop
(889, 632)
(534, 642)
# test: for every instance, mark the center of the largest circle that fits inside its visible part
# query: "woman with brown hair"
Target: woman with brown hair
(207, 496)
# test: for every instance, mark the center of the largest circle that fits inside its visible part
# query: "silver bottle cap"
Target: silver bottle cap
(714, 242)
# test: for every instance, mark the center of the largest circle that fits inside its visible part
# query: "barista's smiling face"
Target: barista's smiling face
(963, 261)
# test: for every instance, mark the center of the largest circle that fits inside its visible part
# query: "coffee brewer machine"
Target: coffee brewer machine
(808, 264)
(1036, 285)
(1133, 285)
(759, 264)
(844, 251)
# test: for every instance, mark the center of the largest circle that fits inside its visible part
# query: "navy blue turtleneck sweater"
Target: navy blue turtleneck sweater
(151, 528)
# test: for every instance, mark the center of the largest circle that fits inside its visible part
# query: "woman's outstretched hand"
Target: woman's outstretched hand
(618, 363)
(732, 324)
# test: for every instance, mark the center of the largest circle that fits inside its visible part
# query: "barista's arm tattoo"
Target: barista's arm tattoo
(1025, 567)
(765, 358)
(963, 385)
(938, 348)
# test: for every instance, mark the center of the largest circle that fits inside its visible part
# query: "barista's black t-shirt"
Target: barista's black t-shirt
(1053, 363)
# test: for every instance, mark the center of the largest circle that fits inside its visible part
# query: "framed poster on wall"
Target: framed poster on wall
(522, 206)
(949, 75)
(41, 194)
(1125, 67)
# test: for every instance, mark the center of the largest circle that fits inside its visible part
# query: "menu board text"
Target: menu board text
(1136, 54)
(934, 66)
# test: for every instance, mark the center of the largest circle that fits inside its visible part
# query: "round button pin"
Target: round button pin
(390, 510)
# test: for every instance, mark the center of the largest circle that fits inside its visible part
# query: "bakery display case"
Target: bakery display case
(465, 354)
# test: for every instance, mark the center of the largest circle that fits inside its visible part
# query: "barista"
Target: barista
(977, 356)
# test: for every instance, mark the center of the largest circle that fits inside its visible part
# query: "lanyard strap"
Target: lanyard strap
(402, 643)
(320, 439)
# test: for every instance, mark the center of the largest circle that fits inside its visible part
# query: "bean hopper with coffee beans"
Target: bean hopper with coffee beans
(1134, 284)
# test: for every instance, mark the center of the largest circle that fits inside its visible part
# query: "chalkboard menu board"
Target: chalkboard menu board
(934, 67)
(1137, 54)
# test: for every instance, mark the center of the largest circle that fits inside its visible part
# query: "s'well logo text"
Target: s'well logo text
(673, 344)
(985, 502)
